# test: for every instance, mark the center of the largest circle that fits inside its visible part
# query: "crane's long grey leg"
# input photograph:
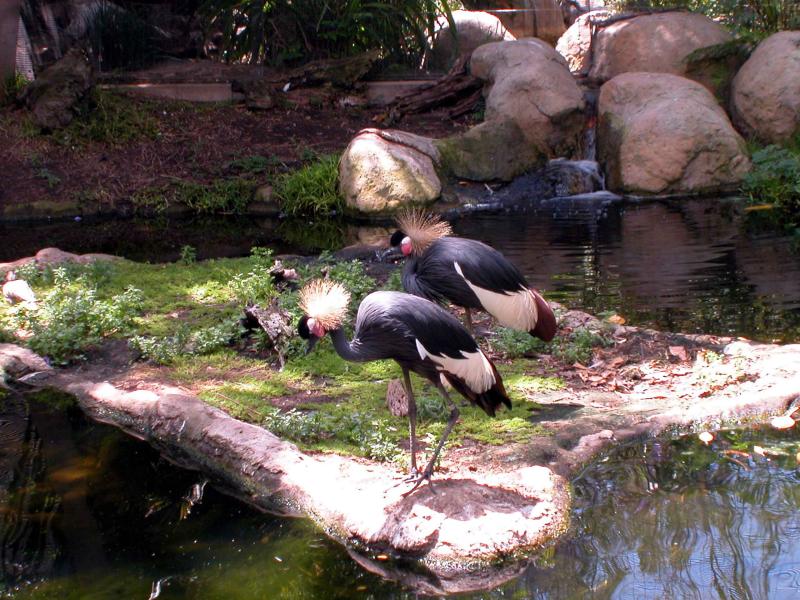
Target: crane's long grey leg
(468, 315)
(412, 424)
(451, 421)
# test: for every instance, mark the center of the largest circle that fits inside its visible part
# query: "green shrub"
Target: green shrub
(775, 179)
(311, 29)
(71, 318)
(165, 350)
(578, 346)
(253, 287)
(12, 86)
(754, 19)
(120, 39)
(311, 190)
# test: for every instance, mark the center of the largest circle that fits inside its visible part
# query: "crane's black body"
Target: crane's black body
(432, 275)
(393, 325)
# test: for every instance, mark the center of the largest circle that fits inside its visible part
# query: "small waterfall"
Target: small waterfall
(590, 139)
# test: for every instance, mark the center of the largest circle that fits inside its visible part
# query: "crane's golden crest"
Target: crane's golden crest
(423, 228)
(326, 301)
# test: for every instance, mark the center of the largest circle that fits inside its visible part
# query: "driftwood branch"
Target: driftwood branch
(458, 89)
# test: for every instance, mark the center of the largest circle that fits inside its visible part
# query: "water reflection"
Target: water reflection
(86, 512)
(688, 266)
(675, 519)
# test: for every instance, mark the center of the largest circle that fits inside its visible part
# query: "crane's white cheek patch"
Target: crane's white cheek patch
(473, 368)
(516, 310)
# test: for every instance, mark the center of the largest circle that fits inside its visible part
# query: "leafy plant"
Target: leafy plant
(253, 287)
(280, 31)
(120, 39)
(755, 19)
(188, 255)
(311, 190)
(185, 342)
(71, 318)
(775, 179)
(12, 86)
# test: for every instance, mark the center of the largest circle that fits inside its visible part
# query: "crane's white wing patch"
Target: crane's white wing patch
(516, 310)
(473, 368)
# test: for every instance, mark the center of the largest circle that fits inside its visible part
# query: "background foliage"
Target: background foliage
(284, 31)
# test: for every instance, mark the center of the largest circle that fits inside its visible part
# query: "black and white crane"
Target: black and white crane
(470, 274)
(420, 336)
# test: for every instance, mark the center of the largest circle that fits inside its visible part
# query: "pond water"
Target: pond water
(88, 512)
(692, 265)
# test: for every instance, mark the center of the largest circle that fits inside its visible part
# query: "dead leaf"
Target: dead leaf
(782, 422)
(616, 319)
(759, 450)
(706, 437)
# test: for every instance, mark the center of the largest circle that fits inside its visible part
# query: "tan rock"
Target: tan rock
(660, 133)
(474, 29)
(765, 99)
(543, 19)
(529, 84)
(575, 45)
(655, 43)
(383, 170)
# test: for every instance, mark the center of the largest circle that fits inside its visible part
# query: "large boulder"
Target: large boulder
(54, 96)
(473, 29)
(655, 43)
(384, 170)
(576, 43)
(663, 134)
(543, 19)
(534, 108)
(765, 98)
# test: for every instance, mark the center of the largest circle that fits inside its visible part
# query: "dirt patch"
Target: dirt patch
(193, 143)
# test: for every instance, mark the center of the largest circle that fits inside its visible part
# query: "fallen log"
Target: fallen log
(458, 89)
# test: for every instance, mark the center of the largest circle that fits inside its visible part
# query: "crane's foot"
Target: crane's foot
(413, 475)
(420, 479)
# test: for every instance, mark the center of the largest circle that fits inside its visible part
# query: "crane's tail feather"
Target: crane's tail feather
(489, 400)
(546, 325)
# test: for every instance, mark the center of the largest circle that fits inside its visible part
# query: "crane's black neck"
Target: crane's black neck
(343, 347)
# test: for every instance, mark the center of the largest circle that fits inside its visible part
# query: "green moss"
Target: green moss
(338, 406)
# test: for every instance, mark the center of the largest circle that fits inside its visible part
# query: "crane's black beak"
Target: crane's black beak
(391, 253)
(312, 341)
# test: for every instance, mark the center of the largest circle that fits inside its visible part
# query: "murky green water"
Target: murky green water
(89, 513)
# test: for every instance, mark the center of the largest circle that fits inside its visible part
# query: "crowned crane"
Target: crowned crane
(420, 336)
(470, 274)
(17, 291)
